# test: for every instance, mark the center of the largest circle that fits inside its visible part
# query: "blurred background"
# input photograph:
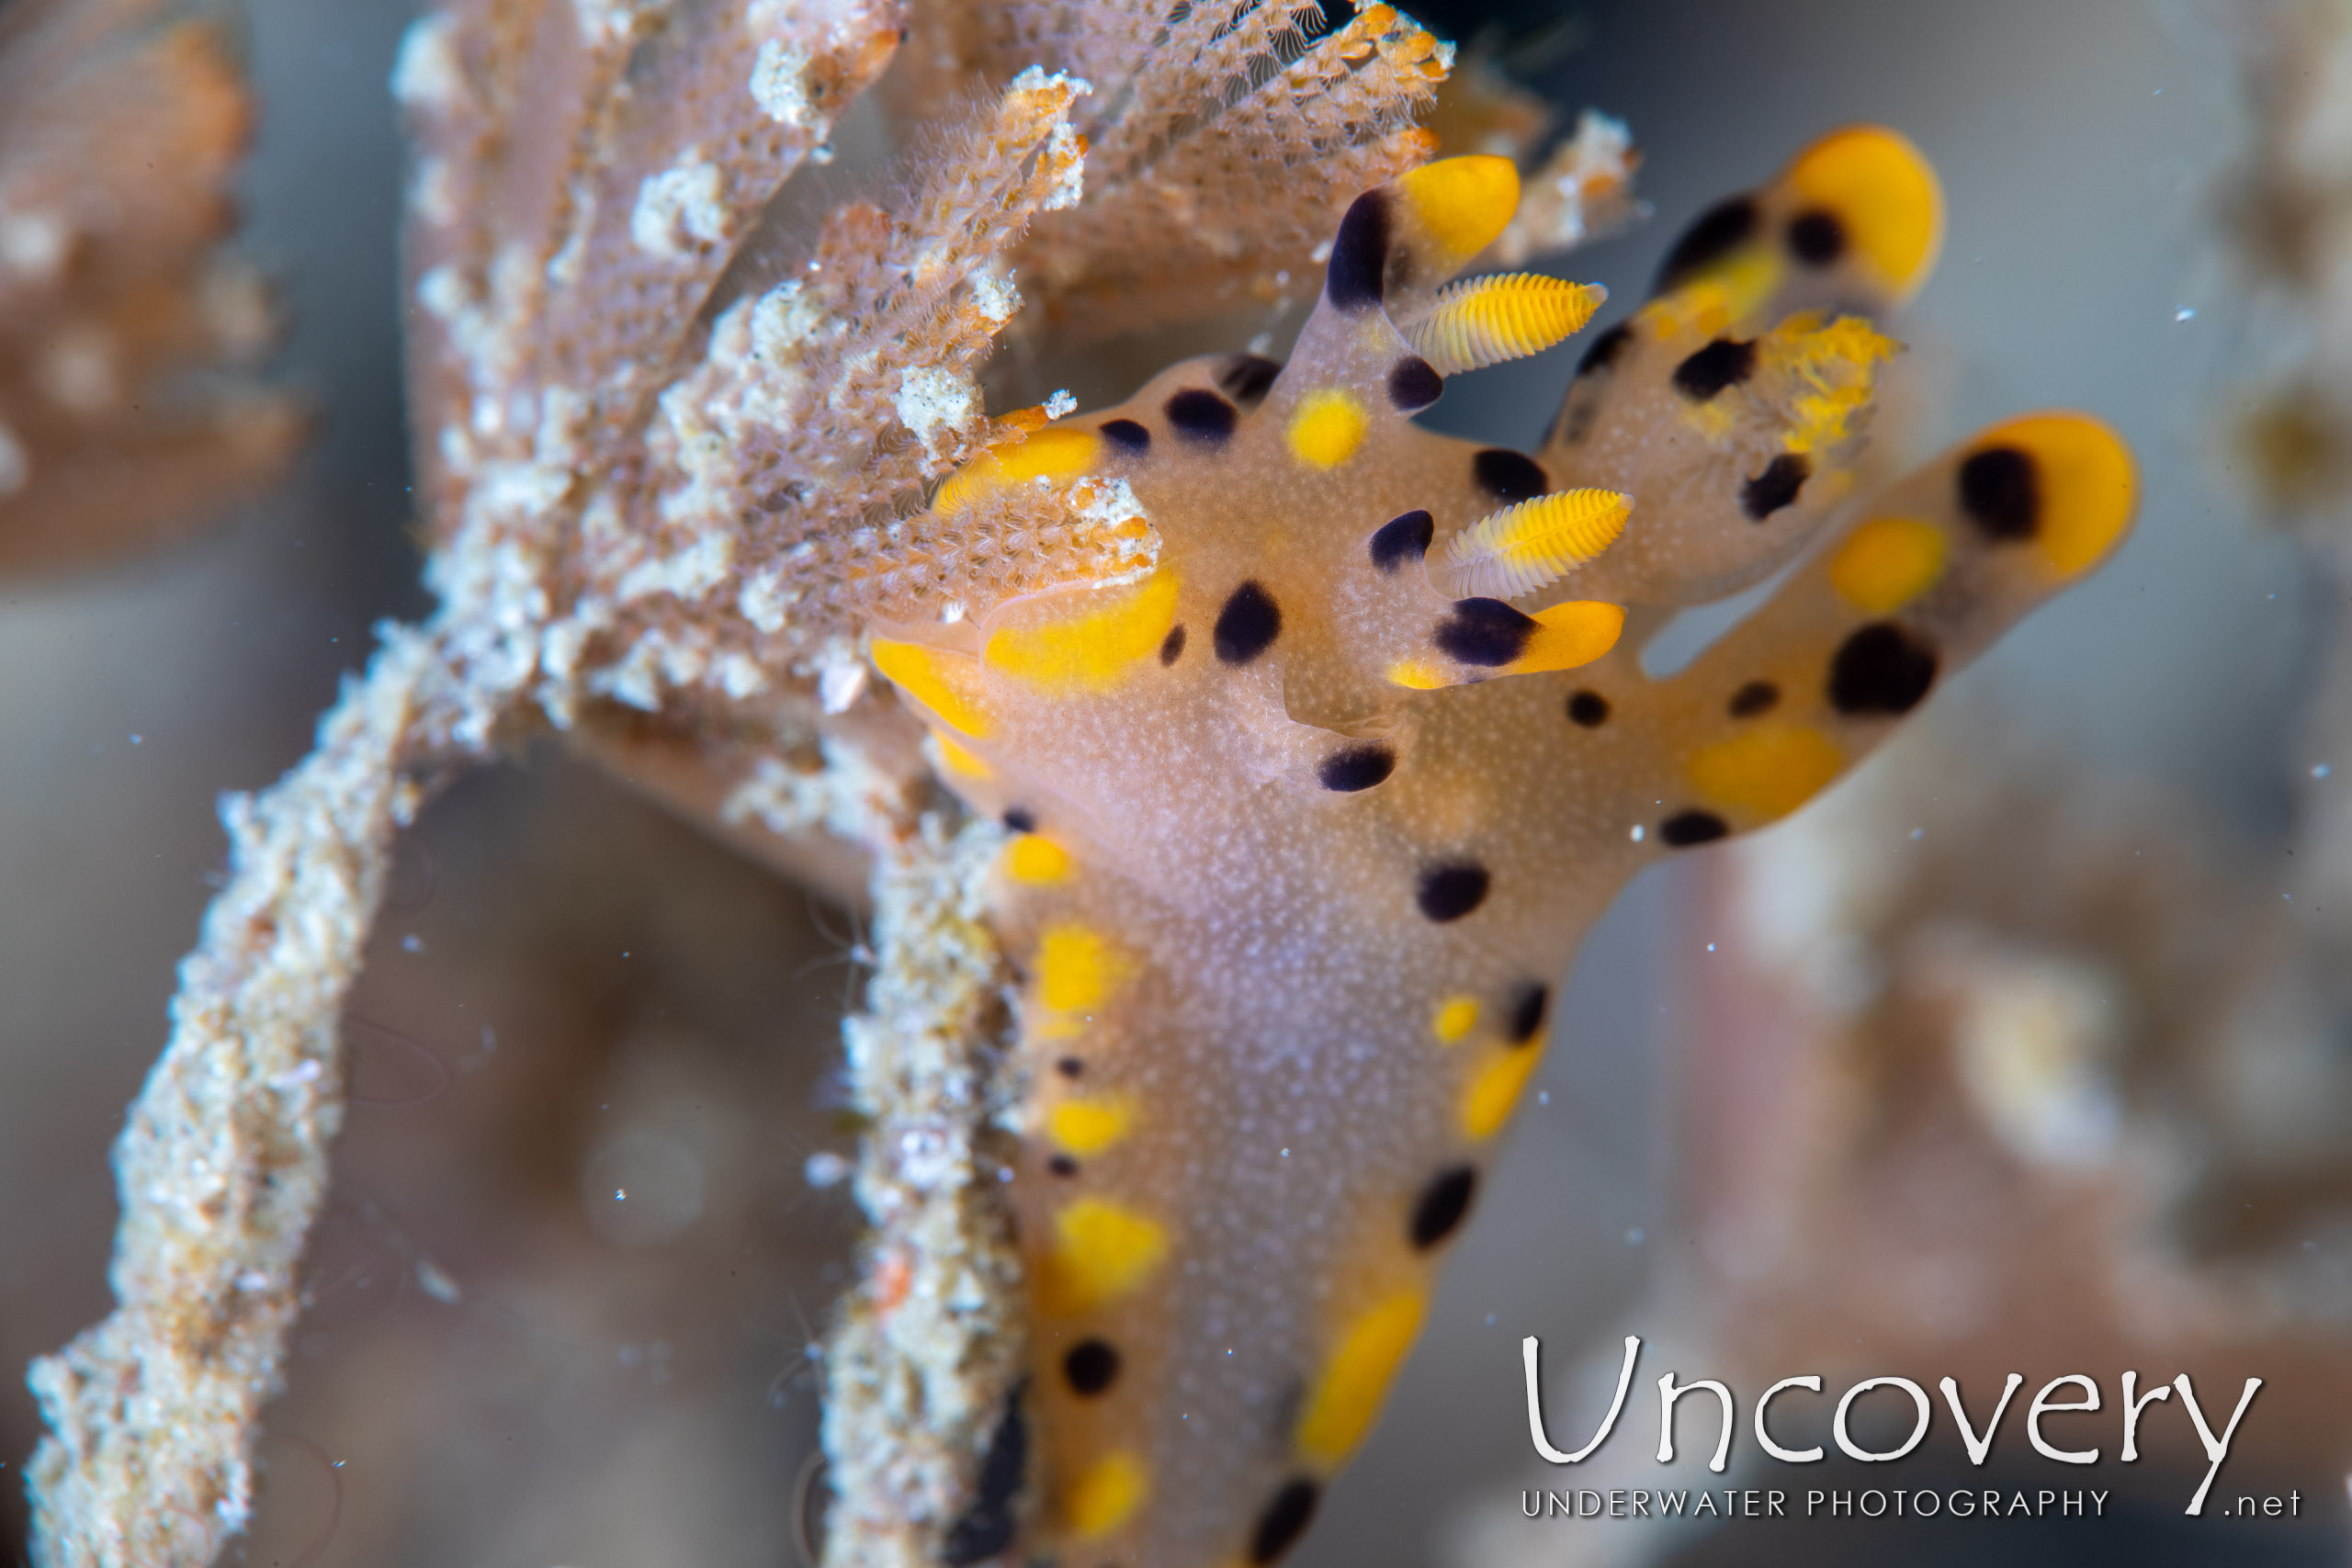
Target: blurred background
(2025, 1049)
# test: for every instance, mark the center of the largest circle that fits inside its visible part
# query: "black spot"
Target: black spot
(1172, 646)
(1483, 632)
(1605, 349)
(2001, 492)
(1092, 1367)
(1021, 819)
(1358, 767)
(1442, 1205)
(1414, 384)
(1757, 697)
(1200, 415)
(1726, 362)
(1061, 1165)
(986, 1529)
(1284, 1520)
(1527, 1013)
(1687, 827)
(1409, 535)
(1452, 890)
(1126, 435)
(1508, 475)
(1723, 227)
(1245, 378)
(1071, 1066)
(1776, 486)
(1247, 625)
(1815, 237)
(1352, 280)
(1589, 710)
(1881, 668)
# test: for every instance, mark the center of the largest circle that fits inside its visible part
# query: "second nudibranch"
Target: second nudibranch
(1312, 818)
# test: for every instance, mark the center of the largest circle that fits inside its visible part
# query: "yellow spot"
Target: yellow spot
(2083, 479)
(1088, 1126)
(1886, 563)
(1456, 1016)
(1056, 452)
(1461, 205)
(1091, 651)
(1076, 969)
(947, 683)
(1414, 675)
(1727, 291)
(1884, 193)
(1036, 859)
(1488, 1103)
(1355, 1381)
(1771, 770)
(1327, 428)
(1486, 320)
(956, 760)
(1106, 1495)
(1102, 1250)
(1520, 548)
(1575, 633)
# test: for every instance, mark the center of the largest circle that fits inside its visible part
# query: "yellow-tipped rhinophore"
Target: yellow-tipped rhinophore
(1883, 194)
(1457, 207)
(2078, 494)
(1486, 320)
(1522, 547)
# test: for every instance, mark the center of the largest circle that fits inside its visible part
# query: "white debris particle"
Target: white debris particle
(435, 1283)
(782, 320)
(763, 601)
(1113, 508)
(1060, 403)
(936, 405)
(633, 681)
(826, 1168)
(741, 677)
(839, 683)
(564, 267)
(688, 575)
(1069, 185)
(428, 74)
(994, 297)
(679, 208)
(32, 244)
(777, 78)
(442, 292)
(606, 22)
(296, 1076)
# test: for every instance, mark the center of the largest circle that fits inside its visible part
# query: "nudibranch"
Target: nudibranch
(1310, 820)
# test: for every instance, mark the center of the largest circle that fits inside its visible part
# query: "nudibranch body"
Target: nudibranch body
(1311, 819)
